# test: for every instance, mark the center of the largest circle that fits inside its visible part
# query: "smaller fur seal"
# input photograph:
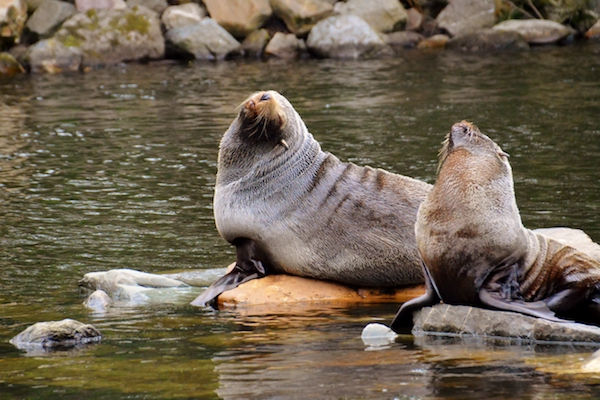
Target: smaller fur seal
(475, 250)
(289, 207)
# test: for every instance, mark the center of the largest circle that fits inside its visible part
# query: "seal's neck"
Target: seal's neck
(268, 166)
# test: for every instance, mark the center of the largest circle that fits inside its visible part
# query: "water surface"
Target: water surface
(115, 169)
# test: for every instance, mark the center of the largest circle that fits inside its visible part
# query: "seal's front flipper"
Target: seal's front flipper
(403, 321)
(248, 266)
(537, 309)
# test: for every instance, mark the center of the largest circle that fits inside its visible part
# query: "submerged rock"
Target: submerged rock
(301, 15)
(536, 31)
(13, 14)
(466, 320)
(182, 15)
(9, 66)
(52, 56)
(205, 40)
(466, 16)
(239, 17)
(488, 40)
(98, 301)
(286, 46)
(382, 15)
(56, 335)
(345, 36)
(112, 36)
(48, 16)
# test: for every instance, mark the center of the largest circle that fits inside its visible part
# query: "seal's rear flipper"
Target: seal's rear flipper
(403, 321)
(537, 309)
(229, 281)
(248, 266)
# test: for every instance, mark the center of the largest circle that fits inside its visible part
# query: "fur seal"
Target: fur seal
(289, 207)
(476, 251)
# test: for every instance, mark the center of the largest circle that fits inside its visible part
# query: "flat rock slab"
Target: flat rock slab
(451, 320)
(287, 289)
(56, 335)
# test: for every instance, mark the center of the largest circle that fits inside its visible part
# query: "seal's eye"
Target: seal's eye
(265, 97)
(503, 154)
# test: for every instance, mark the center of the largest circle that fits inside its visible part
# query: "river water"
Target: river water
(115, 169)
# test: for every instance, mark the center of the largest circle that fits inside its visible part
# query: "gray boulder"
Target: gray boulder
(13, 14)
(255, 43)
(382, 15)
(48, 16)
(487, 40)
(56, 335)
(301, 15)
(9, 66)
(158, 6)
(466, 320)
(345, 36)
(536, 31)
(182, 15)
(52, 56)
(466, 16)
(112, 36)
(205, 40)
(285, 46)
(414, 19)
(239, 17)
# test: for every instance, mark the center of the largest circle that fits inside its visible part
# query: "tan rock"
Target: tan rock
(465, 16)
(255, 43)
(84, 5)
(434, 42)
(382, 15)
(594, 31)
(239, 17)
(289, 290)
(301, 15)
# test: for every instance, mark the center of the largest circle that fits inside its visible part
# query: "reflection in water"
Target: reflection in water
(115, 169)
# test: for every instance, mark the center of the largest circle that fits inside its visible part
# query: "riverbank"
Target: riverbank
(52, 36)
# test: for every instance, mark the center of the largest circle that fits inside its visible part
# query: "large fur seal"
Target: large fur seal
(289, 207)
(476, 251)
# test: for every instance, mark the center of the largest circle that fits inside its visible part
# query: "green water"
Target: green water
(115, 169)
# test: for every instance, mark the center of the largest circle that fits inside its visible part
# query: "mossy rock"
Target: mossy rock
(9, 66)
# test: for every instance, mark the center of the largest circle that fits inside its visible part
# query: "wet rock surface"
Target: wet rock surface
(9, 66)
(56, 335)
(447, 319)
(13, 14)
(52, 56)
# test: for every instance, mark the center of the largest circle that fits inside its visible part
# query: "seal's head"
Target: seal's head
(263, 118)
(478, 155)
